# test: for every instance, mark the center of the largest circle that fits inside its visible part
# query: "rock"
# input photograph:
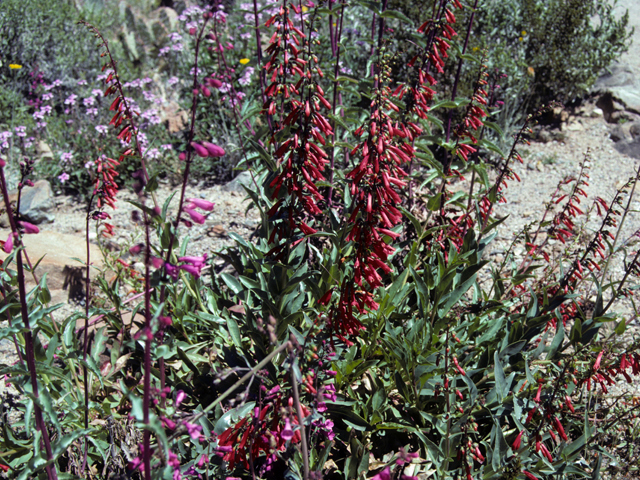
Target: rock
(575, 127)
(618, 133)
(539, 166)
(609, 105)
(174, 119)
(597, 112)
(560, 115)
(630, 148)
(36, 203)
(57, 251)
(235, 185)
(634, 129)
(620, 116)
(617, 76)
(44, 150)
(621, 84)
(544, 136)
(217, 231)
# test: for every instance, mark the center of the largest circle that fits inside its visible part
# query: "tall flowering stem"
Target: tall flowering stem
(123, 118)
(52, 473)
(300, 157)
(375, 183)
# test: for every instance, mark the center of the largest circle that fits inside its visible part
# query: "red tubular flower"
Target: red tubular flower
(300, 157)
(559, 428)
(567, 401)
(518, 441)
(596, 365)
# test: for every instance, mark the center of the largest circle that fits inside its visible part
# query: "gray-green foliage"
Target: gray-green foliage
(41, 34)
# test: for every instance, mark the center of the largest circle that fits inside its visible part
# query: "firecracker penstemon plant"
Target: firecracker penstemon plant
(362, 332)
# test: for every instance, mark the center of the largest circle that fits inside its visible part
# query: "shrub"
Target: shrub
(548, 50)
(361, 333)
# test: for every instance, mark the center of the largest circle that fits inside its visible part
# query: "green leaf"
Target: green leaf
(152, 184)
(395, 14)
(234, 331)
(232, 282)
(501, 383)
(557, 340)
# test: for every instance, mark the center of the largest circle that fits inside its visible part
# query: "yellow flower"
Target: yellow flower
(523, 33)
(305, 9)
(520, 39)
(475, 49)
(15, 66)
(531, 71)
(244, 61)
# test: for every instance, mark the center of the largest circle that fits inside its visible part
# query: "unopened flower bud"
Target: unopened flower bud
(214, 82)
(214, 150)
(29, 227)
(200, 150)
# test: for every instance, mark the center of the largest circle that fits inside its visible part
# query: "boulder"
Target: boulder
(37, 202)
(57, 251)
(630, 148)
(235, 185)
(634, 129)
(618, 133)
(174, 118)
(622, 85)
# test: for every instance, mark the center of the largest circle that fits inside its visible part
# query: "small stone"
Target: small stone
(217, 231)
(540, 166)
(597, 112)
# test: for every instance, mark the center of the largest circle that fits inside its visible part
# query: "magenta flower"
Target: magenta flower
(193, 430)
(172, 270)
(8, 244)
(202, 204)
(165, 321)
(383, 475)
(168, 423)
(214, 150)
(198, 261)
(195, 216)
(204, 459)
(157, 262)
(287, 432)
(200, 150)
(29, 227)
(192, 269)
(180, 396)
(136, 249)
